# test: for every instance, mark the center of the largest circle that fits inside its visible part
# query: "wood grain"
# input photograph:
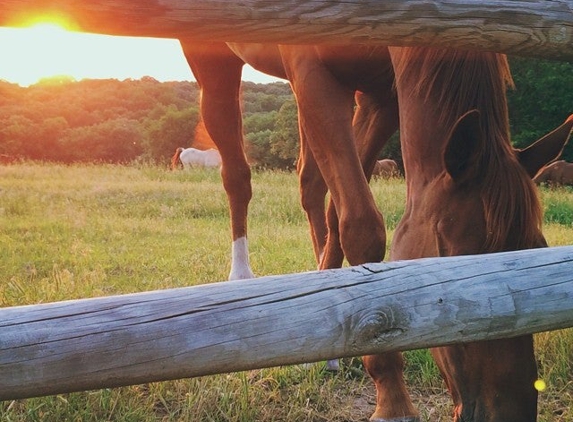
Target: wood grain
(532, 28)
(232, 326)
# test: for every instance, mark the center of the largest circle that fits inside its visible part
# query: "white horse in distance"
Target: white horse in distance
(190, 157)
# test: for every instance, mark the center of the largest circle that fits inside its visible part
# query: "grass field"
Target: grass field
(84, 231)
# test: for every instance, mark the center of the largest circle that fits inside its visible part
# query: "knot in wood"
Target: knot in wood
(377, 328)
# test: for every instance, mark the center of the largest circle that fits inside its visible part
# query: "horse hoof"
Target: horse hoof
(333, 365)
(401, 419)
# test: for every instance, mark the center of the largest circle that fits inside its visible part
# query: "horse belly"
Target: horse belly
(265, 58)
(361, 68)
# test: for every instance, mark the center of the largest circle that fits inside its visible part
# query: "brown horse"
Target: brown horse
(326, 82)
(386, 168)
(468, 192)
(557, 173)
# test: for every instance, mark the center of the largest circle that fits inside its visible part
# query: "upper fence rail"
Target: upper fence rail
(533, 28)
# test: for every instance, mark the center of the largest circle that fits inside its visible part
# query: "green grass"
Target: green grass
(558, 206)
(84, 231)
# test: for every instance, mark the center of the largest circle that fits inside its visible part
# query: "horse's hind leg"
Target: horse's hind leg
(218, 73)
(375, 121)
(312, 196)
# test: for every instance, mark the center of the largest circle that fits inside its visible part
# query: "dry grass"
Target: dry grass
(70, 232)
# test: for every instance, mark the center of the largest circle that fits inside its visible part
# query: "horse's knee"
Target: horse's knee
(363, 238)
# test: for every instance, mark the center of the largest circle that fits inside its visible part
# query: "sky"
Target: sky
(29, 54)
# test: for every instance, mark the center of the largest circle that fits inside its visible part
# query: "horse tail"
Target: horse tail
(175, 158)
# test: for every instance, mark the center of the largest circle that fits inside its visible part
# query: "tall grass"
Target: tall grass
(83, 231)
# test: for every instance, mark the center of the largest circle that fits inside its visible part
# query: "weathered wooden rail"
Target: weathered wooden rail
(231, 326)
(532, 28)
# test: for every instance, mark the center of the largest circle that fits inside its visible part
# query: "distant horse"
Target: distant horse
(319, 76)
(386, 169)
(557, 173)
(468, 192)
(190, 157)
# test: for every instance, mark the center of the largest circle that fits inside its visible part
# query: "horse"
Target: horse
(190, 157)
(327, 82)
(386, 169)
(361, 116)
(468, 192)
(557, 173)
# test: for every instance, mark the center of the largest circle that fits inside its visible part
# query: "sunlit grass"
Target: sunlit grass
(84, 231)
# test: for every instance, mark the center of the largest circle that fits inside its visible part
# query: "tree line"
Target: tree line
(63, 120)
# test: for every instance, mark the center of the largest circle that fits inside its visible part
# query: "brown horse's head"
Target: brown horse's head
(470, 192)
(479, 206)
(502, 213)
(481, 202)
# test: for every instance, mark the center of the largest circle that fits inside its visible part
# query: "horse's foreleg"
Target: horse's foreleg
(375, 121)
(325, 114)
(218, 72)
(393, 402)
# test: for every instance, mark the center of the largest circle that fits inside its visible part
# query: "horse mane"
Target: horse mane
(460, 81)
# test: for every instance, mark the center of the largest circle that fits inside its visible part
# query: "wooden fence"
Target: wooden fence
(533, 28)
(231, 326)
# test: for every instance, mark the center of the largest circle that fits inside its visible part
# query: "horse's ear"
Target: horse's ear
(463, 149)
(546, 149)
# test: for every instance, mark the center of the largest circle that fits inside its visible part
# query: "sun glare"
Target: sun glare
(46, 28)
(47, 31)
(36, 52)
(54, 21)
(48, 46)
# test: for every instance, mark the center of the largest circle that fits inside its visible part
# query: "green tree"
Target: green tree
(285, 140)
(17, 132)
(276, 144)
(48, 138)
(174, 129)
(116, 141)
(259, 122)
